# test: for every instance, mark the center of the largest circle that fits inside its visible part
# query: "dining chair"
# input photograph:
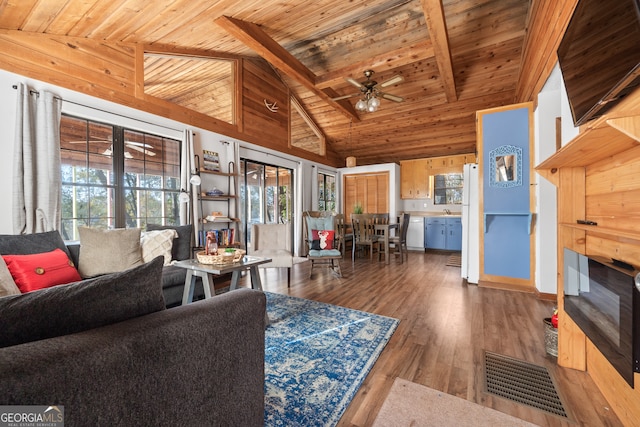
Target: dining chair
(399, 241)
(380, 218)
(363, 234)
(323, 246)
(344, 232)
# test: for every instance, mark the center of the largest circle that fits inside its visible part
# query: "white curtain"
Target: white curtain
(186, 167)
(37, 181)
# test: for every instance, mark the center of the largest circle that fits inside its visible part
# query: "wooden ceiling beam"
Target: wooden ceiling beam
(434, 15)
(388, 60)
(255, 38)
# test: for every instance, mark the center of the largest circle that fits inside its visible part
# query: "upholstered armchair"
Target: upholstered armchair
(273, 241)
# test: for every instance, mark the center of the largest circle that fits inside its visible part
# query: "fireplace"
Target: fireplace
(601, 297)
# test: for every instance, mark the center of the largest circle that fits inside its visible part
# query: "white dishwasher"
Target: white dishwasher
(415, 234)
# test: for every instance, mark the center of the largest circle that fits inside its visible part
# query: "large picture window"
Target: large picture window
(113, 177)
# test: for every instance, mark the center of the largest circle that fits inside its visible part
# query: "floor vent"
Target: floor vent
(521, 382)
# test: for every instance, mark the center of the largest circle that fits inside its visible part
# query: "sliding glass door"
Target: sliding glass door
(266, 195)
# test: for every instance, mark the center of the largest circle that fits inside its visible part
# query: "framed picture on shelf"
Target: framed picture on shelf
(211, 161)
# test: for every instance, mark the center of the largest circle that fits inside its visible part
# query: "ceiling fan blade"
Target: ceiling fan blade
(390, 97)
(142, 150)
(354, 82)
(345, 97)
(139, 144)
(393, 80)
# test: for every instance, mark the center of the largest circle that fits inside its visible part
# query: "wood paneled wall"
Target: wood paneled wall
(259, 84)
(542, 41)
(596, 174)
(114, 72)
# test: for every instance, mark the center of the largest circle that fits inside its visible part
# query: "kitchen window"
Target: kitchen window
(447, 189)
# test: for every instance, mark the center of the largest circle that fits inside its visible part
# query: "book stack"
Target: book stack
(224, 236)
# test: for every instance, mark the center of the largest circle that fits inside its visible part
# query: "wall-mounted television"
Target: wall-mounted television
(599, 56)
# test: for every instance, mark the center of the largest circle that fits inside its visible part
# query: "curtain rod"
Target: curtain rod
(274, 155)
(35, 92)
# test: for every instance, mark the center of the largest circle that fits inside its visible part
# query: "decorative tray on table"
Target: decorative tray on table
(225, 256)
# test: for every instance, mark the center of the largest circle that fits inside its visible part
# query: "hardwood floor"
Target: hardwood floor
(446, 325)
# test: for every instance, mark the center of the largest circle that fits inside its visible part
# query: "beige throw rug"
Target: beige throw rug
(411, 404)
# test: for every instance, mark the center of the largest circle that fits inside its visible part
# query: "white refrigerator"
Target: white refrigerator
(470, 224)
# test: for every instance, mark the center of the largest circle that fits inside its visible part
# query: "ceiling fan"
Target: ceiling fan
(370, 92)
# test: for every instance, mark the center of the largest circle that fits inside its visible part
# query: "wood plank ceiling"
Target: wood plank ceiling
(456, 57)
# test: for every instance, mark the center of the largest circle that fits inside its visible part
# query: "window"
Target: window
(326, 192)
(447, 189)
(114, 177)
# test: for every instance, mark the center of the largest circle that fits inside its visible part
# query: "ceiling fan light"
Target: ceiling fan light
(374, 103)
(361, 105)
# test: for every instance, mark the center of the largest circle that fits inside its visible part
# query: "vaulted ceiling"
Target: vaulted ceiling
(455, 56)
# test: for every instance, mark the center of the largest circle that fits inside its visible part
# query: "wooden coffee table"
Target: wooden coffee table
(207, 271)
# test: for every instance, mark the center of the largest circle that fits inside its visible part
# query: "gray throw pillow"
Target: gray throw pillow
(28, 244)
(182, 245)
(80, 306)
(108, 251)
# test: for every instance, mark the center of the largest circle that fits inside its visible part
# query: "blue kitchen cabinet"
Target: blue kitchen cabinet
(443, 233)
(435, 234)
(454, 234)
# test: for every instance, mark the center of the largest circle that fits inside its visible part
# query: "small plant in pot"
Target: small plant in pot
(357, 208)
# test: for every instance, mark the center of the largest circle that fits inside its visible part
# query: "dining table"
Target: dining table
(383, 231)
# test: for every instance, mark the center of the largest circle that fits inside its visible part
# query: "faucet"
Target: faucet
(446, 211)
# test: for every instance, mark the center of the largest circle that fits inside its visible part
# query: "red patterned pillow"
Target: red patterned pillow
(322, 239)
(38, 271)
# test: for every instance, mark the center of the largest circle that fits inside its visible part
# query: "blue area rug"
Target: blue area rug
(316, 357)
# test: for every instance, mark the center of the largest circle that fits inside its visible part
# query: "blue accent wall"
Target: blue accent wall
(506, 210)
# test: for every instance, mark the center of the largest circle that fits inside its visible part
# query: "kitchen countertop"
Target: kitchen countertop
(435, 213)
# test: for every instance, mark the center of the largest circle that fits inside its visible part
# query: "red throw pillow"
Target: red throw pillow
(322, 239)
(39, 271)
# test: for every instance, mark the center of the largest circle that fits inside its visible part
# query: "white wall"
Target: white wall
(552, 103)
(97, 109)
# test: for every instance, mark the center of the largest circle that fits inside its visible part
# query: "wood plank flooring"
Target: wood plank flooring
(446, 325)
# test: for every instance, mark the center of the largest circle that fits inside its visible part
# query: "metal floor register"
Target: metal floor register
(521, 382)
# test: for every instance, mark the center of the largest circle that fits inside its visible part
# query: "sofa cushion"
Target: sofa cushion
(156, 243)
(7, 285)
(80, 306)
(38, 271)
(181, 249)
(108, 251)
(25, 244)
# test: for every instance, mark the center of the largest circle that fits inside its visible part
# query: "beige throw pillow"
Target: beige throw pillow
(157, 242)
(7, 285)
(108, 251)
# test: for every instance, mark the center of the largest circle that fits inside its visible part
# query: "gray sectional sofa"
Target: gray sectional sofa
(109, 352)
(172, 277)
